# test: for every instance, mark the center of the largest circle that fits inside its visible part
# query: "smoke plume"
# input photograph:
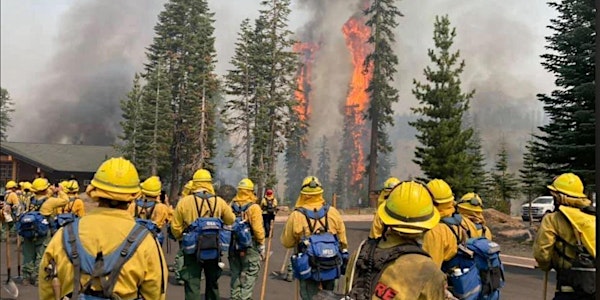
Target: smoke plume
(76, 98)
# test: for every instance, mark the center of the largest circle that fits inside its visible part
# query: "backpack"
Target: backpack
(202, 236)
(319, 257)
(491, 270)
(66, 217)
(145, 220)
(33, 224)
(270, 206)
(370, 264)
(582, 274)
(241, 233)
(464, 280)
(102, 268)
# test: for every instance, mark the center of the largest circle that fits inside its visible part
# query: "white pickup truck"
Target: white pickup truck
(540, 206)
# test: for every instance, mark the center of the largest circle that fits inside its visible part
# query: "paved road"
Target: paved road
(522, 283)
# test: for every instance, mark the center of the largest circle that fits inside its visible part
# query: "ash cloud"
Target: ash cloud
(76, 97)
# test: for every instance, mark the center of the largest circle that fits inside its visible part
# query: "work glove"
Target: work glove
(345, 259)
(261, 251)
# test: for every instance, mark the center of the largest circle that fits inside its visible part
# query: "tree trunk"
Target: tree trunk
(154, 139)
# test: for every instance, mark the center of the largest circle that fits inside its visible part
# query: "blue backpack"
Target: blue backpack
(241, 233)
(319, 257)
(464, 280)
(145, 220)
(491, 271)
(33, 224)
(202, 236)
(101, 268)
(66, 217)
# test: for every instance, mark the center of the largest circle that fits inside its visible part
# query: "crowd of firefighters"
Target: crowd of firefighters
(408, 215)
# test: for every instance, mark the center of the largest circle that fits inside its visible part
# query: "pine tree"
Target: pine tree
(6, 108)
(443, 152)
(297, 161)
(505, 184)
(324, 165)
(131, 123)
(567, 142)
(382, 20)
(184, 41)
(532, 180)
(479, 176)
(239, 111)
(276, 67)
(384, 169)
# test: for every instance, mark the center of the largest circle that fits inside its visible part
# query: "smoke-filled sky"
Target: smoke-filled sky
(67, 63)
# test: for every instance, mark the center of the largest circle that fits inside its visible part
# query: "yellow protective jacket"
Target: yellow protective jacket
(382, 197)
(409, 277)
(549, 244)
(51, 204)
(186, 211)
(11, 198)
(104, 230)
(441, 243)
(161, 213)
(477, 219)
(253, 214)
(74, 206)
(296, 226)
(264, 204)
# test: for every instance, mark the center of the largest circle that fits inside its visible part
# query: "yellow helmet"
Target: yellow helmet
(471, 201)
(202, 175)
(117, 175)
(390, 183)
(246, 184)
(26, 185)
(11, 184)
(568, 184)
(151, 186)
(409, 209)
(40, 185)
(441, 191)
(71, 186)
(311, 186)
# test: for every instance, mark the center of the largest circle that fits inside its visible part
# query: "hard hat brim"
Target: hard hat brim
(151, 193)
(470, 207)
(445, 200)
(408, 227)
(116, 189)
(568, 193)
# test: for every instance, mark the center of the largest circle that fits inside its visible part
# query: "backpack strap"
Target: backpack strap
(99, 267)
(34, 204)
(145, 205)
(316, 215)
(211, 210)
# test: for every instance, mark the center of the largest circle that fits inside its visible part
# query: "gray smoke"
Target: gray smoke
(101, 46)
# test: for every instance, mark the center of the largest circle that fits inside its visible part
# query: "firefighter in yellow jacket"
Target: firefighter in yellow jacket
(11, 205)
(441, 241)
(470, 206)
(388, 185)
(396, 267)
(75, 205)
(149, 207)
(245, 263)
(297, 227)
(35, 239)
(559, 246)
(186, 212)
(269, 208)
(100, 233)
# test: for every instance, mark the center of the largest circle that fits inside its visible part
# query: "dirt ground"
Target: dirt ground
(514, 236)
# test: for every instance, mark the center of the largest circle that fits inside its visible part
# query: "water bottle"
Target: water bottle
(465, 270)
(457, 272)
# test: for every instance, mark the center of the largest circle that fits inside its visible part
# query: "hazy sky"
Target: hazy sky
(67, 60)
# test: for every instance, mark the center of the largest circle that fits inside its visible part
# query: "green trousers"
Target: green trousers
(245, 270)
(309, 288)
(191, 274)
(11, 227)
(33, 249)
(178, 263)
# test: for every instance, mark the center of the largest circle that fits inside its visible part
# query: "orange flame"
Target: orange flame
(356, 34)
(307, 52)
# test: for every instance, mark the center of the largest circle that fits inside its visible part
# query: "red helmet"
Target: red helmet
(269, 192)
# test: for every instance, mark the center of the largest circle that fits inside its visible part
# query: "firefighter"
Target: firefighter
(298, 227)
(176, 268)
(379, 268)
(441, 241)
(470, 206)
(109, 226)
(269, 209)
(388, 185)
(564, 240)
(25, 195)
(187, 212)
(75, 205)
(11, 201)
(149, 206)
(245, 263)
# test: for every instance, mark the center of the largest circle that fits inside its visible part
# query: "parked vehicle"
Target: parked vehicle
(540, 206)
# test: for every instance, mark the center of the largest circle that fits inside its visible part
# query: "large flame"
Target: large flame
(307, 52)
(356, 34)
